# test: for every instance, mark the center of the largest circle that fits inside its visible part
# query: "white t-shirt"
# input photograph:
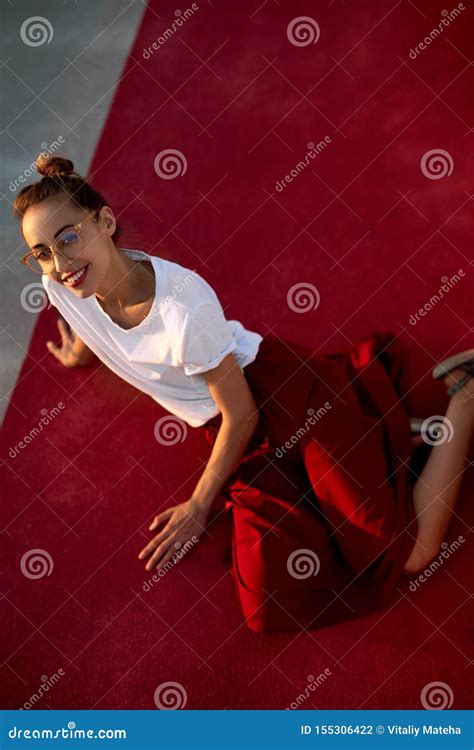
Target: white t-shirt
(184, 334)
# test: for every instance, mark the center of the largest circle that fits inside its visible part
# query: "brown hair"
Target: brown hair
(59, 178)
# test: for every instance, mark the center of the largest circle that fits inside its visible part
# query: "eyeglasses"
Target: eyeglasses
(69, 244)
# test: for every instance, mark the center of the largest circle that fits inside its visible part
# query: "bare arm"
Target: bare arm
(73, 352)
(232, 395)
(186, 521)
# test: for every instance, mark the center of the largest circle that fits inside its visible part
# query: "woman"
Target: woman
(311, 452)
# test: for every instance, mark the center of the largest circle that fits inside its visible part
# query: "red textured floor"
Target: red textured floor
(369, 229)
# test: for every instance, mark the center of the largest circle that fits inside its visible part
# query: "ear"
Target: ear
(107, 217)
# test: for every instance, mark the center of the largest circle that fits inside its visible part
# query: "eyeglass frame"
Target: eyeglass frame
(77, 227)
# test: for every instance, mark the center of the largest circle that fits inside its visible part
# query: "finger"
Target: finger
(165, 559)
(158, 554)
(160, 518)
(63, 330)
(56, 350)
(154, 543)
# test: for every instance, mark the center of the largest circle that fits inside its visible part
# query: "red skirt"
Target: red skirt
(323, 520)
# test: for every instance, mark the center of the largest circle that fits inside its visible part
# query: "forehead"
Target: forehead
(42, 221)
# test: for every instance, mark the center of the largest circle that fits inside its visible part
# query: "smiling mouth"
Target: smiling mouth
(74, 278)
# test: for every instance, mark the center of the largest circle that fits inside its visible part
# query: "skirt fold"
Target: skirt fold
(321, 502)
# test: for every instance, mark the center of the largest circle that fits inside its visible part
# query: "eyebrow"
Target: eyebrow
(40, 244)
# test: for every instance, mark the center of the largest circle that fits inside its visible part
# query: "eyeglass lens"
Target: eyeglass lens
(69, 244)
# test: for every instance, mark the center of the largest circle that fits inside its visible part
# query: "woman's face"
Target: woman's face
(82, 266)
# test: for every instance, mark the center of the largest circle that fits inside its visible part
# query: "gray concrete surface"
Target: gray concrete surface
(57, 80)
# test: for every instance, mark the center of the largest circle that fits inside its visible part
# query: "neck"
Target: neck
(126, 282)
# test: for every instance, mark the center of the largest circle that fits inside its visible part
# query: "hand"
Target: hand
(67, 352)
(184, 522)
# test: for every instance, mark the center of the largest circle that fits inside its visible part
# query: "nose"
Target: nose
(61, 264)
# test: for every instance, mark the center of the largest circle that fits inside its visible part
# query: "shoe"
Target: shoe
(463, 361)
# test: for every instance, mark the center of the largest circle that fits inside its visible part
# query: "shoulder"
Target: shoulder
(183, 291)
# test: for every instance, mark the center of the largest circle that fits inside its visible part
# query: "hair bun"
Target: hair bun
(53, 165)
